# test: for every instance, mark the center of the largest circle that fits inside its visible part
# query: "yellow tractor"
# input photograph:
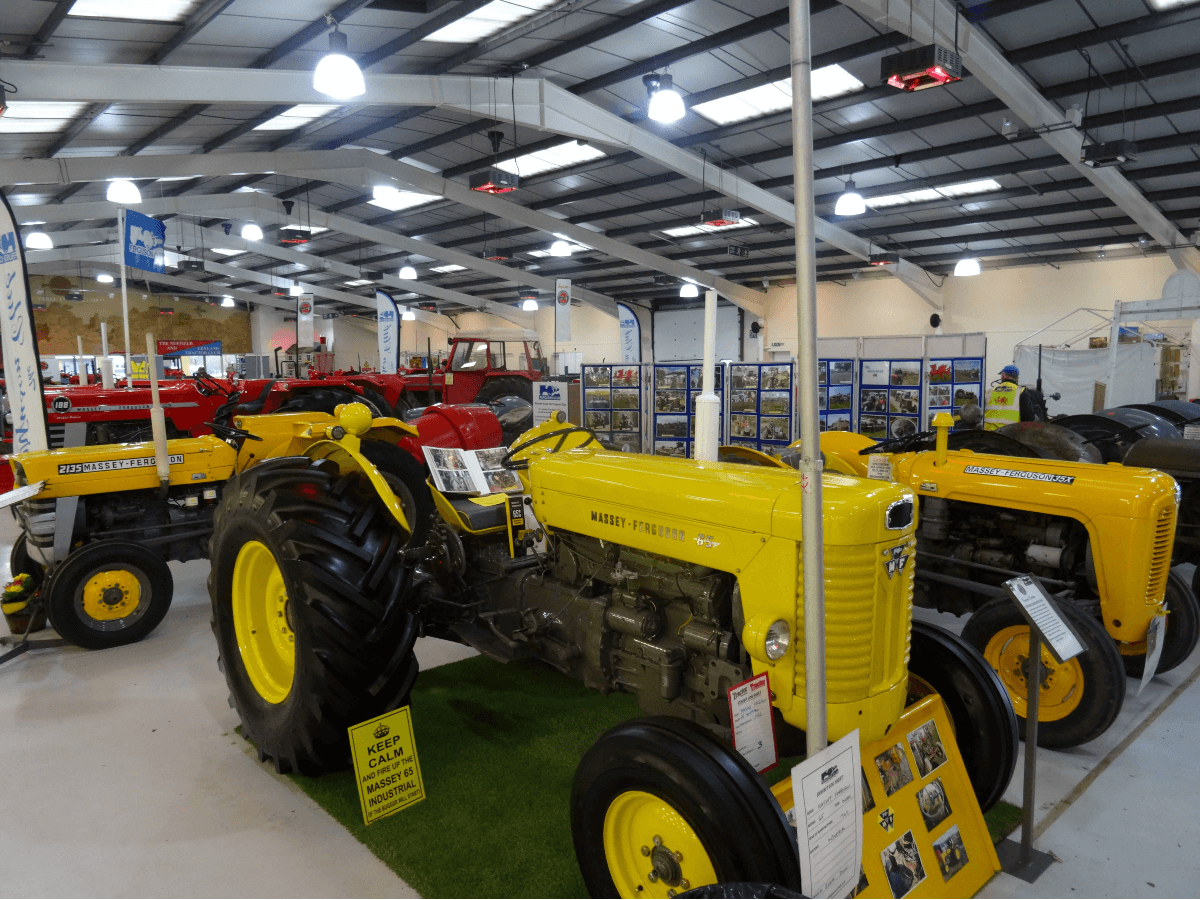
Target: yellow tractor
(1099, 537)
(667, 578)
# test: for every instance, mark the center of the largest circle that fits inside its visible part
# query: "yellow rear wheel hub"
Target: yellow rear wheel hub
(264, 633)
(111, 594)
(651, 850)
(1061, 685)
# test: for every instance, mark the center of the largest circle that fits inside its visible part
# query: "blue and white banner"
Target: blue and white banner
(389, 332)
(145, 239)
(562, 309)
(22, 367)
(631, 334)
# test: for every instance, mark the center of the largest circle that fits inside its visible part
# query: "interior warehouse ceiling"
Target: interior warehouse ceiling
(209, 106)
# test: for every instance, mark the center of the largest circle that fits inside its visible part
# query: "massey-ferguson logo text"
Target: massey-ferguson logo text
(894, 559)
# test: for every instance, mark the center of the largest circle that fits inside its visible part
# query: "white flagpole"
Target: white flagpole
(124, 298)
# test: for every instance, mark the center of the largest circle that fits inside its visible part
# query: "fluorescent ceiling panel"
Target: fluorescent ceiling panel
(552, 158)
(965, 189)
(158, 11)
(394, 200)
(1162, 5)
(307, 229)
(29, 117)
(444, 270)
(226, 252)
(357, 282)
(830, 81)
(689, 230)
(296, 116)
(487, 20)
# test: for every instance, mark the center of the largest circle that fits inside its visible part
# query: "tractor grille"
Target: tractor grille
(57, 436)
(867, 618)
(37, 518)
(1160, 554)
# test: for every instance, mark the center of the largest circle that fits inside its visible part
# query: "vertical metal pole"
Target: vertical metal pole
(124, 297)
(1033, 685)
(1114, 339)
(812, 553)
(708, 407)
(79, 368)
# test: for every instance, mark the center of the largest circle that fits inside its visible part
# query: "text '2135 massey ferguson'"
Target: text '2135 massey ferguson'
(670, 579)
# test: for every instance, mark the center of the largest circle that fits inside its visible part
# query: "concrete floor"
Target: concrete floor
(123, 777)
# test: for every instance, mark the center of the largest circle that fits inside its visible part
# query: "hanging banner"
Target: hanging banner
(562, 309)
(389, 332)
(174, 349)
(631, 334)
(145, 239)
(304, 323)
(22, 367)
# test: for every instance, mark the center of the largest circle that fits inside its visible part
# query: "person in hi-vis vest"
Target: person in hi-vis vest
(1008, 402)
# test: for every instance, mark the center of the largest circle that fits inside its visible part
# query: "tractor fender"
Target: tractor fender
(348, 460)
(470, 427)
(844, 446)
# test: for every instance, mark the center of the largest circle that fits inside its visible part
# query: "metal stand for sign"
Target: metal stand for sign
(1022, 860)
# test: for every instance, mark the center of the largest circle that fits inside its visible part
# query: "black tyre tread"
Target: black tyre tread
(391, 460)
(1183, 629)
(1103, 672)
(327, 399)
(724, 800)
(337, 549)
(985, 724)
(506, 384)
(58, 593)
(19, 562)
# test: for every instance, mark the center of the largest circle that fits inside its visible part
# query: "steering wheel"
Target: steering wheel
(561, 434)
(229, 432)
(898, 444)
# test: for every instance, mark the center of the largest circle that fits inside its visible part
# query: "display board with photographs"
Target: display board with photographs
(760, 405)
(953, 383)
(612, 404)
(835, 394)
(676, 388)
(889, 397)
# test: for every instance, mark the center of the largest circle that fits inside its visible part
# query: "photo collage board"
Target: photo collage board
(889, 397)
(952, 383)
(612, 404)
(676, 388)
(835, 396)
(760, 405)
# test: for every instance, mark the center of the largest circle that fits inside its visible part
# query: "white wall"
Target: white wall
(593, 333)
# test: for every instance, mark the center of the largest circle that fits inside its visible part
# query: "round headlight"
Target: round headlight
(779, 636)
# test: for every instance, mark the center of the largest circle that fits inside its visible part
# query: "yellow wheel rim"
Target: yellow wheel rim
(1062, 686)
(111, 594)
(260, 622)
(651, 850)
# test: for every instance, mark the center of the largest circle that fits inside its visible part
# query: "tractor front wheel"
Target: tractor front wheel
(1182, 632)
(310, 611)
(660, 806)
(108, 594)
(1079, 699)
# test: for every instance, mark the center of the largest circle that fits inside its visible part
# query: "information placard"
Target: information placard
(385, 764)
(827, 789)
(1040, 611)
(752, 723)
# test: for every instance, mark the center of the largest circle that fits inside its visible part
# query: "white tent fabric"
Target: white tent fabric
(1073, 373)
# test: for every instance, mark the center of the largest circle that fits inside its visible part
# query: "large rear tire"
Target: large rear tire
(309, 609)
(406, 477)
(985, 726)
(511, 397)
(1080, 699)
(662, 795)
(1183, 630)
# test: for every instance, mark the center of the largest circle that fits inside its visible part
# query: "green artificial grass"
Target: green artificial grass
(498, 747)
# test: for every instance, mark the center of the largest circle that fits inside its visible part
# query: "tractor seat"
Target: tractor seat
(481, 513)
(254, 407)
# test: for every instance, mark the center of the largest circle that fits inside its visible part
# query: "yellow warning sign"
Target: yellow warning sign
(385, 764)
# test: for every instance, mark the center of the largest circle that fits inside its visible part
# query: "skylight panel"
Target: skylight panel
(552, 158)
(830, 81)
(158, 11)
(225, 251)
(357, 282)
(964, 189)
(394, 200)
(690, 230)
(487, 20)
(448, 268)
(28, 117)
(307, 229)
(1163, 5)
(296, 116)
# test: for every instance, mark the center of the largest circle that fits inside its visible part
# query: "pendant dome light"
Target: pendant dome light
(337, 74)
(227, 301)
(966, 267)
(123, 192)
(560, 248)
(295, 290)
(38, 240)
(665, 103)
(529, 304)
(408, 315)
(850, 203)
(689, 290)
(408, 273)
(104, 278)
(251, 232)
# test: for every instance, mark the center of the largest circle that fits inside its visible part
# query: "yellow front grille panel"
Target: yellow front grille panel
(1160, 554)
(867, 619)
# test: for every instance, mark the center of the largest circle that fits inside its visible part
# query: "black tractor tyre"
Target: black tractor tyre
(1182, 632)
(406, 477)
(985, 726)
(20, 563)
(1098, 671)
(515, 421)
(336, 548)
(717, 793)
(326, 400)
(108, 594)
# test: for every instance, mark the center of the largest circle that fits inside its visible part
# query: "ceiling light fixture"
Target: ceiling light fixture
(850, 203)
(665, 103)
(227, 301)
(337, 75)
(560, 248)
(529, 303)
(408, 315)
(295, 290)
(123, 193)
(251, 232)
(966, 267)
(493, 181)
(38, 240)
(408, 273)
(924, 67)
(689, 290)
(104, 278)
